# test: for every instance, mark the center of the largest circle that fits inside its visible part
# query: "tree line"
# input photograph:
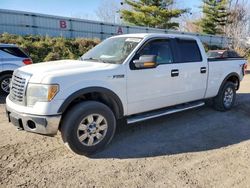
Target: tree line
(217, 15)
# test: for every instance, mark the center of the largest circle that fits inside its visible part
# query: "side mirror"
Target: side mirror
(146, 61)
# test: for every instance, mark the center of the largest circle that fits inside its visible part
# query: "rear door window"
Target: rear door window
(188, 51)
(13, 51)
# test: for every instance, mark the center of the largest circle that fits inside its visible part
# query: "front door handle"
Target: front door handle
(203, 70)
(174, 72)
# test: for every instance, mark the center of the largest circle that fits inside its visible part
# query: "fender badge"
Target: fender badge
(118, 76)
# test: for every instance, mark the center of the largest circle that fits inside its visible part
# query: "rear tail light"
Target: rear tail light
(245, 68)
(27, 61)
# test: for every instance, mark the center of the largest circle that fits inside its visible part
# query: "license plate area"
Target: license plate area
(15, 121)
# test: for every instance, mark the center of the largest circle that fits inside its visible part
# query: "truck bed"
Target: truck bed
(218, 70)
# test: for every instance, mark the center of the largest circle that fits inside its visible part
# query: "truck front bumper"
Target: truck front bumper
(47, 125)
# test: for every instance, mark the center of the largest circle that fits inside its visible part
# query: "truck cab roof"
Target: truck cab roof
(152, 35)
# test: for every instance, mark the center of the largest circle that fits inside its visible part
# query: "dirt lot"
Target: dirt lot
(197, 148)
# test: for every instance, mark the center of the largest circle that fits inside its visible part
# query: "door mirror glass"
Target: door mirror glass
(145, 61)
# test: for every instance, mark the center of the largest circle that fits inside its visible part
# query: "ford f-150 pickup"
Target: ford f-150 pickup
(134, 77)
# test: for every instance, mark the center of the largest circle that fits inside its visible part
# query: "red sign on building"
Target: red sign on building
(119, 30)
(63, 24)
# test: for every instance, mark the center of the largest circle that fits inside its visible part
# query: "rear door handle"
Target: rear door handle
(174, 72)
(203, 70)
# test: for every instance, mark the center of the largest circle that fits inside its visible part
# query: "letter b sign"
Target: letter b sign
(63, 24)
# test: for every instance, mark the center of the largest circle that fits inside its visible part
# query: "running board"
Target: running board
(163, 112)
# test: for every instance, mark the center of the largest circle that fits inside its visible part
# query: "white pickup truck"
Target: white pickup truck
(134, 76)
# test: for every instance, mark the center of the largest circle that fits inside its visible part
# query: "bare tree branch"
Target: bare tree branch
(108, 11)
(238, 28)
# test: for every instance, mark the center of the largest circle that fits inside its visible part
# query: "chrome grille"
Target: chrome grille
(18, 86)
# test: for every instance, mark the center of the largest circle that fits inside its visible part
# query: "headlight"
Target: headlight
(41, 93)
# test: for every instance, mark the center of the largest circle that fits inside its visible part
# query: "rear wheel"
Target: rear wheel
(5, 83)
(225, 99)
(88, 127)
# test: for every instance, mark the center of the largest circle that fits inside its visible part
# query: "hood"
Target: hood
(62, 68)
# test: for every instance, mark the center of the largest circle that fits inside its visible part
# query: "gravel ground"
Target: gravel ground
(196, 148)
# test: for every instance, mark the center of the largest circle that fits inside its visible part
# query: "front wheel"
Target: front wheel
(225, 99)
(88, 127)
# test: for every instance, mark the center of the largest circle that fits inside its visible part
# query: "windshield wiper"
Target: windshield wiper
(91, 58)
(94, 59)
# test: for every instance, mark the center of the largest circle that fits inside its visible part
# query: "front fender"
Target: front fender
(83, 91)
(115, 88)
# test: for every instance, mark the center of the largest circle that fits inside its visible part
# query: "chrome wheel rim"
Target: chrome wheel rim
(5, 85)
(92, 129)
(228, 97)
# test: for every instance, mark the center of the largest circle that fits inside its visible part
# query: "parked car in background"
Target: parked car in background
(11, 58)
(223, 54)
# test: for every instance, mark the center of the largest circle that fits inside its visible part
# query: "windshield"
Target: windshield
(112, 50)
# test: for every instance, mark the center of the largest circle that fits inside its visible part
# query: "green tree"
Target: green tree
(151, 13)
(215, 16)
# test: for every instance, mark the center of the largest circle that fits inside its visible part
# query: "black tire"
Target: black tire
(70, 132)
(3, 79)
(218, 102)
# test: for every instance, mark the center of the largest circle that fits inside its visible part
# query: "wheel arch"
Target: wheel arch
(101, 94)
(6, 72)
(232, 77)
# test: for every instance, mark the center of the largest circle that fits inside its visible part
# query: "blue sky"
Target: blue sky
(72, 8)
